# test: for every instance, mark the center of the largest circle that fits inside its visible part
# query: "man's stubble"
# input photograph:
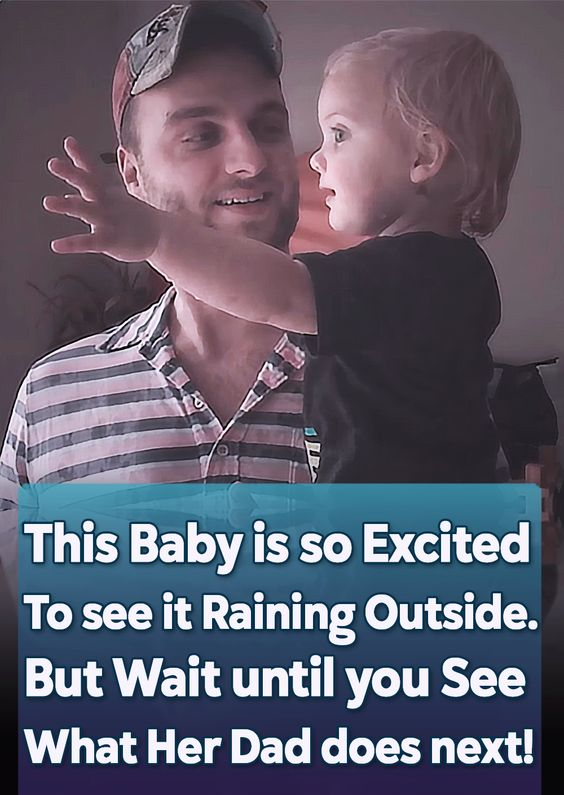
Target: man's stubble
(175, 202)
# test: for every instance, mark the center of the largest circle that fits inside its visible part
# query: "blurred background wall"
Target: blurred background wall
(56, 63)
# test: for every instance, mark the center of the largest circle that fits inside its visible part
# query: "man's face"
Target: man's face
(214, 139)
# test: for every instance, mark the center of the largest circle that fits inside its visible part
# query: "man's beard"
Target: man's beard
(287, 219)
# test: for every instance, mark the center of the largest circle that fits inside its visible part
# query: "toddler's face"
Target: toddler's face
(366, 154)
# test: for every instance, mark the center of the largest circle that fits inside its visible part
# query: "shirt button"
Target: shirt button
(198, 404)
(222, 450)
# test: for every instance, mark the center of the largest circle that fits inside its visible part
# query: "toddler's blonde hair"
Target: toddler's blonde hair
(458, 84)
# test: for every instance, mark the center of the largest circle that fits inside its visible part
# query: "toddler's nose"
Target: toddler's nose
(317, 162)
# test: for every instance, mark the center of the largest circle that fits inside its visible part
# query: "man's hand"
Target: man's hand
(121, 226)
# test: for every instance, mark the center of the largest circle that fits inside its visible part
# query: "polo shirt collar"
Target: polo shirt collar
(147, 327)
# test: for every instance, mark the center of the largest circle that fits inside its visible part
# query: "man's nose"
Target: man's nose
(317, 162)
(243, 154)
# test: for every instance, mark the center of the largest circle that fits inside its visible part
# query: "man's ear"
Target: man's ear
(129, 170)
(431, 150)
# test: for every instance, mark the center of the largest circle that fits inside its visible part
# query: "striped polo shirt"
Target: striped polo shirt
(118, 407)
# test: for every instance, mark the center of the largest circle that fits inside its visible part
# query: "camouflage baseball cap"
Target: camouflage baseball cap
(150, 54)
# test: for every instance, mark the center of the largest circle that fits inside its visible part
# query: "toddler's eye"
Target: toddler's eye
(338, 135)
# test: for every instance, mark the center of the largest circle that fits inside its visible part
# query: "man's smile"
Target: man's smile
(242, 199)
(246, 201)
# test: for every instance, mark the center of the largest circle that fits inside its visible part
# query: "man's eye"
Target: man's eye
(338, 135)
(201, 138)
(271, 131)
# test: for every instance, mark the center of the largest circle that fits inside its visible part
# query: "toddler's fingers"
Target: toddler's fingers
(81, 180)
(80, 157)
(77, 244)
(74, 206)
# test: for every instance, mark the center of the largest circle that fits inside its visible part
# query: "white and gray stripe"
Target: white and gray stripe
(118, 408)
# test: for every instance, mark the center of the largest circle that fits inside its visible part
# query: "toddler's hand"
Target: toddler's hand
(121, 226)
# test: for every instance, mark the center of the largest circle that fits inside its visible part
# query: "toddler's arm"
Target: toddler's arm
(243, 277)
(238, 275)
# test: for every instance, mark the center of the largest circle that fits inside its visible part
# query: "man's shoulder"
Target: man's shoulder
(66, 357)
(52, 369)
(93, 350)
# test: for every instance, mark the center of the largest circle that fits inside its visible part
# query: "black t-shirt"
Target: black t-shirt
(397, 379)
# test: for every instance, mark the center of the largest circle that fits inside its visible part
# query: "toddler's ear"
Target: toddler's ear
(432, 148)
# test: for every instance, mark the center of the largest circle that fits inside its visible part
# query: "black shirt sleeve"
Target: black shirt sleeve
(409, 290)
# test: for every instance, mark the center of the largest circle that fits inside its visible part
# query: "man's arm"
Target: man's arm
(240, 276)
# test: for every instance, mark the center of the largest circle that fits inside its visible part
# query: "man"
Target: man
(181, 392)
